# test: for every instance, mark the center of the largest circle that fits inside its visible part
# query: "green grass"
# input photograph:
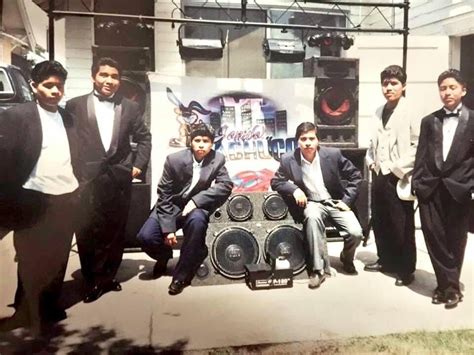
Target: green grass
(447, 342)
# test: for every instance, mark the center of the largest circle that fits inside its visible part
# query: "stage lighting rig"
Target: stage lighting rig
(330, 43)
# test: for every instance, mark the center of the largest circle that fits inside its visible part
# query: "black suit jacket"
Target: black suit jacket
(211, 191)
(457, 172)
(118, 161)
(20, 147)
(340, 176)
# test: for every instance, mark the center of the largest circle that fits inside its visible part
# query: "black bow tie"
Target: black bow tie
(105, 98)
(452, 114)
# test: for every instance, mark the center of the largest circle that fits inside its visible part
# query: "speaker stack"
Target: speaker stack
(249, 229)
(336, 98)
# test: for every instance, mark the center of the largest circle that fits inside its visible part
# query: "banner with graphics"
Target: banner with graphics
(254, 121)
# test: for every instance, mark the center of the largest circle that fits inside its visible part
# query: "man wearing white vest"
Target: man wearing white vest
(391, 157)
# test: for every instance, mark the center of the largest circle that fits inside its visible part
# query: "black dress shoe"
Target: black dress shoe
(54, 315)
(452, 300)
(404, 280)
(438, 297)
(113, 285)
(374, 267)
(94, 294)
(160, 268)
(348, 265)
(176, 287)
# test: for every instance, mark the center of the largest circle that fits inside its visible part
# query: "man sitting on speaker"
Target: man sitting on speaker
(310, 180)
(194, 184)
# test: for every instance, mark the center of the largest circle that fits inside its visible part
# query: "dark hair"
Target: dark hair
(105, 61)
(452, 73)
(202, 129)
(305, 127)
(44, 70)
(393, 71)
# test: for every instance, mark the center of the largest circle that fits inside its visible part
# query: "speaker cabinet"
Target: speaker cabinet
(336, 99)
(232, 245)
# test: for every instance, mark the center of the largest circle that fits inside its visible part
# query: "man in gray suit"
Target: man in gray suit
(391, 157)
(194, 184)
(311, 177)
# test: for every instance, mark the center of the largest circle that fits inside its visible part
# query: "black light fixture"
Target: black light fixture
(330, 43)
(201, 48)
(279, 50)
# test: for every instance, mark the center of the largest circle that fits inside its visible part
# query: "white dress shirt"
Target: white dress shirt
(105, 113)
(53, 172)
(449, 128)
(313, 178)
(196, 174)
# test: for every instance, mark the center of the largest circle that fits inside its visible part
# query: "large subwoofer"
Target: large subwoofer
(231, 249)
(286, 241)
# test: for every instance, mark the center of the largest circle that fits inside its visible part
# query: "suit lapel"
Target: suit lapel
(325, 166)
(91, 117)
(35, 140)
(296, 167)
(116, 129)
(438, 139)
(456, 147)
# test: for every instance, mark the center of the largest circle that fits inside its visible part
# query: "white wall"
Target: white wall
(427, 58)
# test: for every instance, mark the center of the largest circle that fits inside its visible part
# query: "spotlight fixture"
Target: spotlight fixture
(330, 43)
(278, 50)
(200, 48)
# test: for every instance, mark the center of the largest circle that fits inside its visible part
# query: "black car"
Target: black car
(14, 87)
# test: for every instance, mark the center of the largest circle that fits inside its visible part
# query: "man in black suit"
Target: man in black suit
(40, 168)
(106, 121)
(443, 181)
(194, 184)
(311, 177)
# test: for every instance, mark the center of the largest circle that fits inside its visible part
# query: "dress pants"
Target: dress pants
(193, 250)
(315, 213)
(393, 221)
(101, 235)
(445, 223)
(42, 250)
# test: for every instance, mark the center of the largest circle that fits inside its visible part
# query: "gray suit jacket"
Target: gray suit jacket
(334, 167)
(403, 131)
(211, 191)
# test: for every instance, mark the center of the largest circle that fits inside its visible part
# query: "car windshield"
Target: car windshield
(6, 89)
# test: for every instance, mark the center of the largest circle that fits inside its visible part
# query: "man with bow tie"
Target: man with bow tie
(106, 122)
(391, 157)
(194, 184)
(443, 181)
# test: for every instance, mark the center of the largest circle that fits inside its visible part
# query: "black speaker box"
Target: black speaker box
(233, 245)
(336, 99)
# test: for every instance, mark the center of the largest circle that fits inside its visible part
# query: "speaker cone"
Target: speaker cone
(239, 208)
(286, 241)
(232, 248)
(335, 105)
(274, 207)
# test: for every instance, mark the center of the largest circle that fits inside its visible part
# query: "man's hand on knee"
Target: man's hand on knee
(342, 206)
(189, 207)
(171, 240)
(300, 197)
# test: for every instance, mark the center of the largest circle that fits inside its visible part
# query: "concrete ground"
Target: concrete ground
(143, 318)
